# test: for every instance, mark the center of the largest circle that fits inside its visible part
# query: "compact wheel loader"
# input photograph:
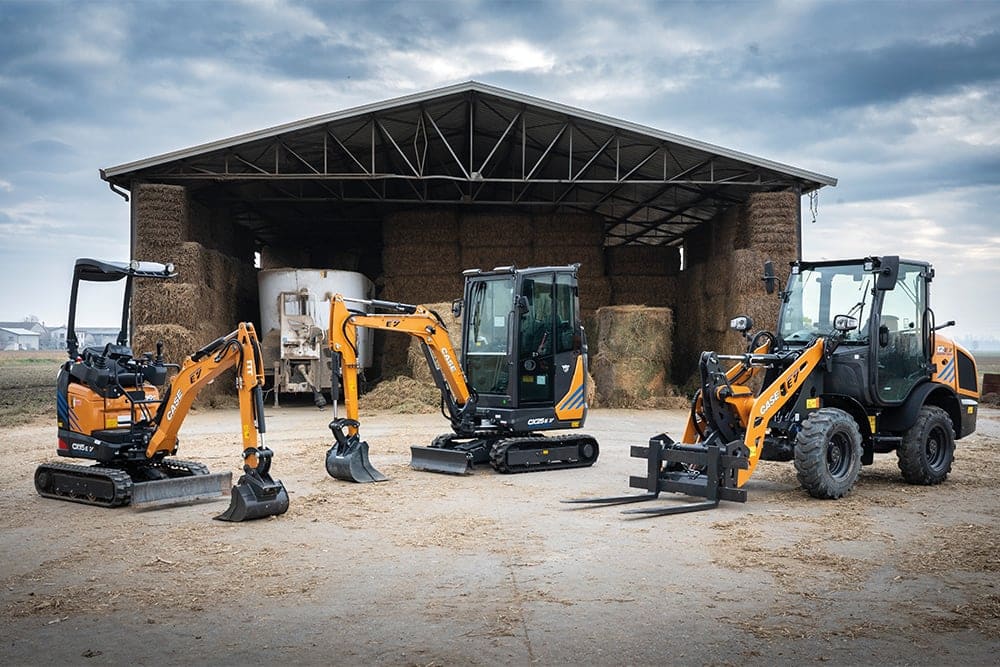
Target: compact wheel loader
(855, 368)
(522, 369)
(110, 410)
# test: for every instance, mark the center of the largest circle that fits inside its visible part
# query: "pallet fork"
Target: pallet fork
(702, 471)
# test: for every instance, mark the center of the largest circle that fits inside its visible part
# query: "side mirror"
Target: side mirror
(769, 278)
(741, 323)
(883, 336)
(888, 273)
(845, 323)
(456, 308)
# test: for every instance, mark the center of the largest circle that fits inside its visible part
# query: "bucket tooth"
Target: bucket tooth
(180, 490)
(255, 496)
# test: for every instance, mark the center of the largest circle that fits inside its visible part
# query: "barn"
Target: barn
(411, 191)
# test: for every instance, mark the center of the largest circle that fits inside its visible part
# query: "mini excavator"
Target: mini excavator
(855, 368)
(522, 369)
(110, 411)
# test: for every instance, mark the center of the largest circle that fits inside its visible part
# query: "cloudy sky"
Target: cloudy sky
(899, 101)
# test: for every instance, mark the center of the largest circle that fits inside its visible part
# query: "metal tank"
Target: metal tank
(295, 315)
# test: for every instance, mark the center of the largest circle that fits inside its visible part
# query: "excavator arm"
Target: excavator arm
(256, 494)
(415, 321)
(348, 458)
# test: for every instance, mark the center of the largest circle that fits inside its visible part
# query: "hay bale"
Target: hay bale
(635, 331)
(421, 259)
(773, 221)
(590, 395)
(594, 293)
(568, 228)
(416, 362)
(494, 229)
(406, 227)
(643, 260)
(628, 383)
(589, 257)
(488, 257)
(643, 290)
(160, 213)
(402, 395)
(186, 304)
(426, 289)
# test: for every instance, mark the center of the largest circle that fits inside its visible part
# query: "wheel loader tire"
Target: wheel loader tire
(928, 447)
(828, 453)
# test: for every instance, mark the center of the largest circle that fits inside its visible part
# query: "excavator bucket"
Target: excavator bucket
(255, 496)
(180, 490)
(348, 458)
(439, 459)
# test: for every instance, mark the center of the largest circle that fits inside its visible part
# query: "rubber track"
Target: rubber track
(498, 454)
(119, 478)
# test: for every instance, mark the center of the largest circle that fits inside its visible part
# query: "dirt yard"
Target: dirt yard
(430, 569)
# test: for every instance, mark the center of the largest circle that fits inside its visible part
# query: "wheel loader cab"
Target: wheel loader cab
(889, 353)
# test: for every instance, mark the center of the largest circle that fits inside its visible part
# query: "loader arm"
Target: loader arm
(419, 323)
(239, 349)
(771, 400)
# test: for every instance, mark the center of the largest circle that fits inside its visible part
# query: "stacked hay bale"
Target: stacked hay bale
(415, 271)
(643, 274)
(420, 263)
(772, 233)
(212, 292)
(632, 368)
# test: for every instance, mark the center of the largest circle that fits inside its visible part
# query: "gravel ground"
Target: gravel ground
(430, 569)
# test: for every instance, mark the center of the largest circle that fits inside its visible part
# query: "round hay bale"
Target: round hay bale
(635, 332)
(628, 383)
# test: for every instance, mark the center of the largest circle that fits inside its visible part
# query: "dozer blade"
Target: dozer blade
(351, 464)
(180, 490)
(255, 497)
(439, 459)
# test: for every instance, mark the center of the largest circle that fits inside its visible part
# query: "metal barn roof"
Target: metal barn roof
(470, 144)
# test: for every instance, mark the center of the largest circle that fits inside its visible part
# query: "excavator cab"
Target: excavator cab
(523, 346)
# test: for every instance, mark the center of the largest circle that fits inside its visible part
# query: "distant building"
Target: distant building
(95, 337)
(17, 338)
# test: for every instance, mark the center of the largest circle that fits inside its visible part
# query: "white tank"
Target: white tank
(321, 285)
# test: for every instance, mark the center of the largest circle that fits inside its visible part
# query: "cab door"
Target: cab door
(901, 348)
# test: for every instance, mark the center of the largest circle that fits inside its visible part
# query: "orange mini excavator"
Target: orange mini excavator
(110, 411)
(522, 368)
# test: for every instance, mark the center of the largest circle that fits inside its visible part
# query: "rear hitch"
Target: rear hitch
(256, 495)
(700, 471)
(348, 458)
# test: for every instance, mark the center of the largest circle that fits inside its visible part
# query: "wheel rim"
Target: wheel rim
(936, 448)
(838, 455)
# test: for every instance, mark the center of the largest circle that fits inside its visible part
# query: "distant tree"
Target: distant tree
(31, 318)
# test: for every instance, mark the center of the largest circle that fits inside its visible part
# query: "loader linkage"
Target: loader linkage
(702, 471)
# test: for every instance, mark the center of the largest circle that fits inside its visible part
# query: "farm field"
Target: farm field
(430, 569)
